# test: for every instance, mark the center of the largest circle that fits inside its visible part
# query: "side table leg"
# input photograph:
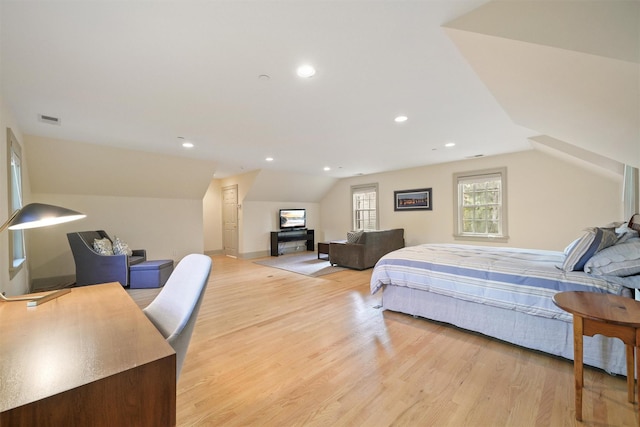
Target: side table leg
(630, 374)
(633, 376)
(578, 371)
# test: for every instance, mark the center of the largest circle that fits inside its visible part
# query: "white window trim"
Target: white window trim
(360, 188)
(457, 224)
(14, 149)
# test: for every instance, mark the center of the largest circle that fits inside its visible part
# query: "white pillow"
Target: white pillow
(103, 246)
(625, 233)
(619, 260)
(120, 247)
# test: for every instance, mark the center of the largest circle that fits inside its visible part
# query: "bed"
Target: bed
(506, 293)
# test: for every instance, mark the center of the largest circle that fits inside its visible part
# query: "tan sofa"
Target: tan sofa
(369, 247)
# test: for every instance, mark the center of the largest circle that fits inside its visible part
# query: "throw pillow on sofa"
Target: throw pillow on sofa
(120, 247)
(103, 246)
(354, 236)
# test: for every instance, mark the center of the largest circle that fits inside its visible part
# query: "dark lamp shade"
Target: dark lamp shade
(36, 215)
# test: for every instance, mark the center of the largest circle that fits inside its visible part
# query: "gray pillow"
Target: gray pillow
(354, 236)
(625, 233)
(619, 260)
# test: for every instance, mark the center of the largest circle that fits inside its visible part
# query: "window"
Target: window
(16, 238)
(365, 206)
(481, 210)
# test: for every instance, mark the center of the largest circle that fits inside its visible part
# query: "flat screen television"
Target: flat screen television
(293, 219)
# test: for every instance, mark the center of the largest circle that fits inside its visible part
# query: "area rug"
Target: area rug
(306, 263)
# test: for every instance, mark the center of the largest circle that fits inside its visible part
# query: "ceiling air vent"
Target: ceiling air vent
(49, 119)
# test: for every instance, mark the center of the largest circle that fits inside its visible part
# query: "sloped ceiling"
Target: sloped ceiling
(141, 74)
(288, 187)
(66, 167)
(567, 69)
(575, 154)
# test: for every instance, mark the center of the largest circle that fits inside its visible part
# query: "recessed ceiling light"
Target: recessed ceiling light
(327, 168)
(450, 144)
(185, 143)
(306, 71)
(401, 119)
(269, 159)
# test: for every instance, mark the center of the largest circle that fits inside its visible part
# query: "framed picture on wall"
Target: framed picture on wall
(411, 200)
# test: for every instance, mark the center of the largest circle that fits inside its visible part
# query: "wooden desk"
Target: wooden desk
(608, 315)
(88, 358)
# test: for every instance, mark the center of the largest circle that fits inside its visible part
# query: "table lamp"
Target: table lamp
(36, 215)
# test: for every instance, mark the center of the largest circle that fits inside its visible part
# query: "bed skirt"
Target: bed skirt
(548, 335)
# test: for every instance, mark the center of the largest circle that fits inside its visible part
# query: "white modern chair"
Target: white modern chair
(175, 309)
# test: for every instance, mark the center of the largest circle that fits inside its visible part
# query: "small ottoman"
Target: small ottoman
(150, 274)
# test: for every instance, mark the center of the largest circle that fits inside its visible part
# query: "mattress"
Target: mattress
(552, 336)
(505, 293)
(523, 280)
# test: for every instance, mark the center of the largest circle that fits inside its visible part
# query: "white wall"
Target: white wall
(550, 201)
(257, 218)
(244, 183)
(275, 185)
(151, 201)
(20, 282)
(166, 228)
(212, 218)
(69, 167)
(261, 218)
(566, 69)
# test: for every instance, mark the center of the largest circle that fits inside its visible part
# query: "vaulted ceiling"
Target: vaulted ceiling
(147, 75)
(570, 70)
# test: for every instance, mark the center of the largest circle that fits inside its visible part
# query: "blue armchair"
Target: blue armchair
(92, 268)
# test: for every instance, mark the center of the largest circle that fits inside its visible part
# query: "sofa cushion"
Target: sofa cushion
(135, 259)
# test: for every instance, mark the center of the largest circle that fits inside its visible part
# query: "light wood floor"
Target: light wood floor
(273, 348)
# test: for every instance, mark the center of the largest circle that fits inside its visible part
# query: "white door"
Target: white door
(230, 220)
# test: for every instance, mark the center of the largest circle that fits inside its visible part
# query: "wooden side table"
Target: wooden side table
(608, 315)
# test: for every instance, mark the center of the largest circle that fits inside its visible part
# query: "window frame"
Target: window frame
(361, 189)
(17, 250)
(460, 177)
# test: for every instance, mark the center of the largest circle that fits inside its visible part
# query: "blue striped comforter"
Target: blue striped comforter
(517, 279)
